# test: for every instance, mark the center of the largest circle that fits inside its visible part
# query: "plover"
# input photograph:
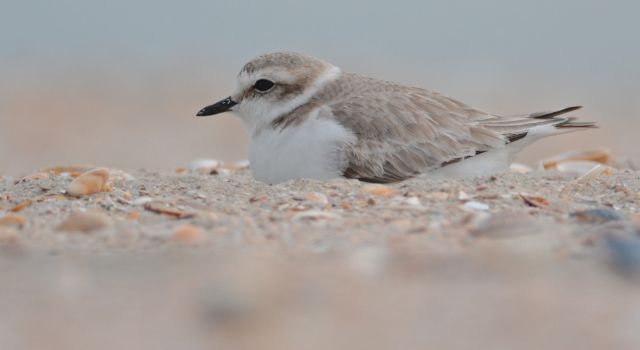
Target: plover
(308, 119)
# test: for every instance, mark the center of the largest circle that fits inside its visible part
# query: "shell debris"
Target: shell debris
(534, 201)
(20, 206)
(90, 182)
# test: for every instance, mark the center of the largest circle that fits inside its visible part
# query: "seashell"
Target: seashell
(85, 222)
(474, 205)
(188, 234)
(141, 201)
(596, 171)
(317, 197)
(93, 181)
(584, 170)
(378, 190)
(13, 220)
(601, 156)
(520, 168)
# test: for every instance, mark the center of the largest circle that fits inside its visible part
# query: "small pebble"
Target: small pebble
(85, 222)
(474, 205)
(317, 197)
(188, 234)
(625, 253)
(413, 201)
(133, 215)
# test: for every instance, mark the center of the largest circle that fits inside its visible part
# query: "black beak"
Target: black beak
(217, 107)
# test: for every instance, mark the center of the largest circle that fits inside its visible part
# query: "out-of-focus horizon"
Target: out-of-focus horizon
(118, 83)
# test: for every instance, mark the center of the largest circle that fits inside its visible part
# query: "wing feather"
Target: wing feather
(404, 131)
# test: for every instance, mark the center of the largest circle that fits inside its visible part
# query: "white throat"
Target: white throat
(257, 114)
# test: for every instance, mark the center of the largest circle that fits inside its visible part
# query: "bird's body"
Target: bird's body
(314, 121)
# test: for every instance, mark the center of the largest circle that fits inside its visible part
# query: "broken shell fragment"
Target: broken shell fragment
(13, 220)
(92, 181)
(601, 156)
(378, 190)
(577, 168)
(20, 206)
(161, 207)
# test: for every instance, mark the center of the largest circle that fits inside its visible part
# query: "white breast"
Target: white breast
(309, 150)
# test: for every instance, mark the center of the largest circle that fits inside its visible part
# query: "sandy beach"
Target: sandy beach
(200, 259)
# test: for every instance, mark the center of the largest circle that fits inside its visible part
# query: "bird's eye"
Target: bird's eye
(263, 85)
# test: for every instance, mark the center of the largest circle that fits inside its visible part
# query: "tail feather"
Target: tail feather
(572, 123)
(515, 128)
(549, 115)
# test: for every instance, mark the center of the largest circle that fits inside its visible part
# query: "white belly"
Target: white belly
(309, 150)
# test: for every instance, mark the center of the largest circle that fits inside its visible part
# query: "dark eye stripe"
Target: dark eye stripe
(263, 85)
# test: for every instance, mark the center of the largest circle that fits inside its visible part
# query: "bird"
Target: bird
(306, 118)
